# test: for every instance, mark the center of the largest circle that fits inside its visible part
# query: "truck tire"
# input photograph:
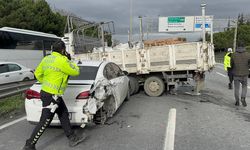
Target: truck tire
(131, 85)
(136, 84)
(154, 86)
(128, 95)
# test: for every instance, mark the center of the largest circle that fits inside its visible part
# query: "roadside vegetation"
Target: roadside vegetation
(11, 105)
(224, 40)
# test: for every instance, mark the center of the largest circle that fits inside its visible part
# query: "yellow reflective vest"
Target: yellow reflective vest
(227, 61)
(53, 72)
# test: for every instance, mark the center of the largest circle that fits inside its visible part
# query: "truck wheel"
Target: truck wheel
(128, 96)
(154, 86)
(131, 85)
(135, 84)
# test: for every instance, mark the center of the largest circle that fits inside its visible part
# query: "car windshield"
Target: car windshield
(86, 73)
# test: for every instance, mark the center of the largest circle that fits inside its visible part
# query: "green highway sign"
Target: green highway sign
(176, 19)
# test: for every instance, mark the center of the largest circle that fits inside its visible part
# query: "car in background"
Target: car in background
(93, 96)
(14, 72)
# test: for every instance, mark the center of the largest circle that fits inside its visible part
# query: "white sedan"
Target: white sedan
(93, 96)
(14, 72)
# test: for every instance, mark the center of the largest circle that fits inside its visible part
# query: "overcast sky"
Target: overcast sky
(119, 10)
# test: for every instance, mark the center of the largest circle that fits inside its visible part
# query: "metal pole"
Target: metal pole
(147, 27)
(203, 5)
(103, 42)
(141, 30)
(212, 30)
(131, 22)
(235, 35)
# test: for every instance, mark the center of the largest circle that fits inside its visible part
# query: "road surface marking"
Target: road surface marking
(248, 87)
(170, 130)
(221, 74)
(12, 123)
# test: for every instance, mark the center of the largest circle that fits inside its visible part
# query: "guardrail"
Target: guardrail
(14, 88)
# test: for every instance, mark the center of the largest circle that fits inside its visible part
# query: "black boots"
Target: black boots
(243, 101)
(230, 86)
(29, 146)
(76, 139)
(237, 103)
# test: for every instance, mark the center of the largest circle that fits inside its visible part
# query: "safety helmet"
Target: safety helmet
(229, 50)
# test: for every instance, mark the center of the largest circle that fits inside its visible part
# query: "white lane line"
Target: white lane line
(12, 123)
(221, 74)
(248, 87)
(170, 130)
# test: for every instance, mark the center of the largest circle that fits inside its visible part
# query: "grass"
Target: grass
(11, 104)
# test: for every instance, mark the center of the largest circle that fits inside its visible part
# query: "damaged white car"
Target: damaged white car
(93, 96)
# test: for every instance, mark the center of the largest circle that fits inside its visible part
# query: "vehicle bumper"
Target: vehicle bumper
(76, 115)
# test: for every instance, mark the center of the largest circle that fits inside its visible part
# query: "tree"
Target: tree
(31, 14)
(223, 40)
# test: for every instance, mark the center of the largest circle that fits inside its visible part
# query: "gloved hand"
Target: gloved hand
(67, 55)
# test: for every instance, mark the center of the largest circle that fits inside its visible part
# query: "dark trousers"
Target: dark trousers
(237, 81)
(230, 75)
(47, 117)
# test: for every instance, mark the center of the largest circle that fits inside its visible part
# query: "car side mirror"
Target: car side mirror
(125, 72)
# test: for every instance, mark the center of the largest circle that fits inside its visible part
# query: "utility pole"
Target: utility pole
(235, 35)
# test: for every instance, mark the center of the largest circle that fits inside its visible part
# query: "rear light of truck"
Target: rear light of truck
(31, 94)
(83, 95)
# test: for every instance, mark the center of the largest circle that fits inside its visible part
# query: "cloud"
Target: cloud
(119, 10)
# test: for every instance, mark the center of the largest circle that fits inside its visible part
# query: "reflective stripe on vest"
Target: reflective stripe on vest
(53, 86)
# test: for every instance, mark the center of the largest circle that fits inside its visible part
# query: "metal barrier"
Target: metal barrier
(14, 88)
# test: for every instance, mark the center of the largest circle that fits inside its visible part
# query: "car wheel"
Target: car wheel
(106, 111)
(100, 117)
(154, 86)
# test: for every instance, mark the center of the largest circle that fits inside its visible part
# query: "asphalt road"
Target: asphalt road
(206, 122)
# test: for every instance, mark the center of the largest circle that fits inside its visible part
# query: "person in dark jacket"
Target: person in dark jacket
(240, 65)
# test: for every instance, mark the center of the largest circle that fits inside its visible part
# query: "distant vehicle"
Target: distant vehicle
(14, 72)
(93, 96)
(25, 47)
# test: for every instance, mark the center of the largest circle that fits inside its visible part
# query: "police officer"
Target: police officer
(53, 73)
(227, 66)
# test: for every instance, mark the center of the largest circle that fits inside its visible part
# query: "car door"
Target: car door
(4, 74)
(15, 73)
(122, 81)
(115, 76)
